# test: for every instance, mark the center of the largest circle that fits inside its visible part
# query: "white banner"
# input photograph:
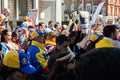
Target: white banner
(95, 16)
(97, 12)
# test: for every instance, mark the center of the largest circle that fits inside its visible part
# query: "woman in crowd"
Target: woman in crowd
(15, 41)
(6, 43)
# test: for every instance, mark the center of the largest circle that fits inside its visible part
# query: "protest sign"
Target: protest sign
(33, 14)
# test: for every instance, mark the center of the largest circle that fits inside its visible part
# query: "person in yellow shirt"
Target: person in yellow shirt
(109, 40)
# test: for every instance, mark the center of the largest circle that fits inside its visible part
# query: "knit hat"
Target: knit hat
(18, 59)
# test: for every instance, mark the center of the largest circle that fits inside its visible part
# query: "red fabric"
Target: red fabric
(46, 70)
(118, 38)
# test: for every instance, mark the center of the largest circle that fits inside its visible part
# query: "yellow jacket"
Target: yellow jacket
(104, 43)
(37, 57)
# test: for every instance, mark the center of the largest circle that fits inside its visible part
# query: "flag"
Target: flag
(27, 16)
(95, 15)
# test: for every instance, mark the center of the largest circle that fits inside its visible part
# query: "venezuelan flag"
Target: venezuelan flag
(27, 16)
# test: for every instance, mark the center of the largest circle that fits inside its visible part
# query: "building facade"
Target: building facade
(111, 7)
(19, 8)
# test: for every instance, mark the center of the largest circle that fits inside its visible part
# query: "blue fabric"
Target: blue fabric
(40, 33)
(100, 36)
(32, 51)
(28, 15)
(5, 49)
(24, 25)
(25, 64)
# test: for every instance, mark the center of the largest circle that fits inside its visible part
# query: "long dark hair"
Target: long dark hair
(14, 34)
(4, 32)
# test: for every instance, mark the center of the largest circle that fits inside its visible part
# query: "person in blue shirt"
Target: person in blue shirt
(36, 54)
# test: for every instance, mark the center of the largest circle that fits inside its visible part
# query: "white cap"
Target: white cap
(48, 30)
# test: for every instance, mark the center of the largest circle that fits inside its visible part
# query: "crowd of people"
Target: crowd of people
(59, 52)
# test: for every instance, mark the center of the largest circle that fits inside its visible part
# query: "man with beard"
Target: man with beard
(110, 36)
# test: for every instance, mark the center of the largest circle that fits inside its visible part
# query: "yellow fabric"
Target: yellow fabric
(70, 22)
(64, 57)
(98, 29)
(104, 43)
(41, 46)
(93, 37)
(50, 42)
(100, 16)
(39, 55)
(11, 59)
(54, 39)
(34, 34)
(27, 18)
(63, 32)
(41, 59)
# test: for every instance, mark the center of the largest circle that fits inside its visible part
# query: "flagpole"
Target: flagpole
(94, 17)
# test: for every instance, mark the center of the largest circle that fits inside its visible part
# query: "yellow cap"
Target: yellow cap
(93, 37)
(51, 42)
(34, 34)
(18, 60)
(11, 59)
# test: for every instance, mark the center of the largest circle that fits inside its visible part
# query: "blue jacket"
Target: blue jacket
(37, 56)
(5, 49)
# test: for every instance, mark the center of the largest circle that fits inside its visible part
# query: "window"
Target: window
(115, 11)
(95, 7)
(111, 10)
(23, 7)
(88, 8)
(32, 4)
(119, 10)
(0, 6)
(104, 11)
(80, 8)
